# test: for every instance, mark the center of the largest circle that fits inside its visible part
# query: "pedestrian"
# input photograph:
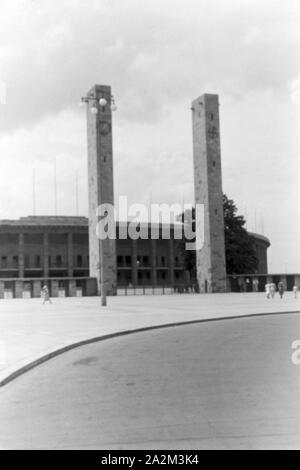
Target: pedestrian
(255, 285)
(272, 289)
(46, 295)
(295, 290)
(268, 292)
(242, 284)
(281, 289)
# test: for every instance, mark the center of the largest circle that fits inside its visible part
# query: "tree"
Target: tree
(239, 250)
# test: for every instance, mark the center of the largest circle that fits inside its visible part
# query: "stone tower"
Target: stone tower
(102, 253)
(211, 269)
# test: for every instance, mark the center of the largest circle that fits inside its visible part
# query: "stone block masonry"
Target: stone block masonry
(102, 253)
(211, 269)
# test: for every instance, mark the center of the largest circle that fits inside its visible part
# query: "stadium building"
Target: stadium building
(55, 250)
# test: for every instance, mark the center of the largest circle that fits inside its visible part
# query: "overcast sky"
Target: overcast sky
(158, 56)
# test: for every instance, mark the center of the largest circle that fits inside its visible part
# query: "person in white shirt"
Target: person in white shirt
(268, 290)
(46, 294)
(295, 290)
(272, 289)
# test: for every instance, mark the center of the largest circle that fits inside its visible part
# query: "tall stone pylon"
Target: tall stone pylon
(102, 253)
(211, 268)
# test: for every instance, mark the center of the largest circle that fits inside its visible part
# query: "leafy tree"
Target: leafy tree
(239, 251)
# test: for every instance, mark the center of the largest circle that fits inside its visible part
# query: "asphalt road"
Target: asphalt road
(220, 385)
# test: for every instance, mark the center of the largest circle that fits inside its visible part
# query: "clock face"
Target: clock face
(104, 127)
(212, 132)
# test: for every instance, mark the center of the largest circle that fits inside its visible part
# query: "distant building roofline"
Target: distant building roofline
(260, 237)
(47, 220)
(77, 221)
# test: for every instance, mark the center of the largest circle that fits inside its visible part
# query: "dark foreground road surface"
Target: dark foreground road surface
(220, 385)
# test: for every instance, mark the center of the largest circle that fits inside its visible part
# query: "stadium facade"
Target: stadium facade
(55, 250)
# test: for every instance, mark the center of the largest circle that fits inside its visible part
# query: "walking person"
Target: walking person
(295, 290)
(255, 285)
(268, 291)
(281, 289)
(272, 289)
(46, 295)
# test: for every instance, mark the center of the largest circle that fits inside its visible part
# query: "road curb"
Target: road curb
(40, 360)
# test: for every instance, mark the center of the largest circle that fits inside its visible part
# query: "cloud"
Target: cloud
(157, 56)
(151, 52)
(62, 138)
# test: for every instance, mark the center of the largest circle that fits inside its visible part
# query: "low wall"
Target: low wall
(87, 286)
(257, 282)
(58, 287)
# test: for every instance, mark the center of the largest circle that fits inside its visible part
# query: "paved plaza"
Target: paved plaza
(29, 329)
(228, 384)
